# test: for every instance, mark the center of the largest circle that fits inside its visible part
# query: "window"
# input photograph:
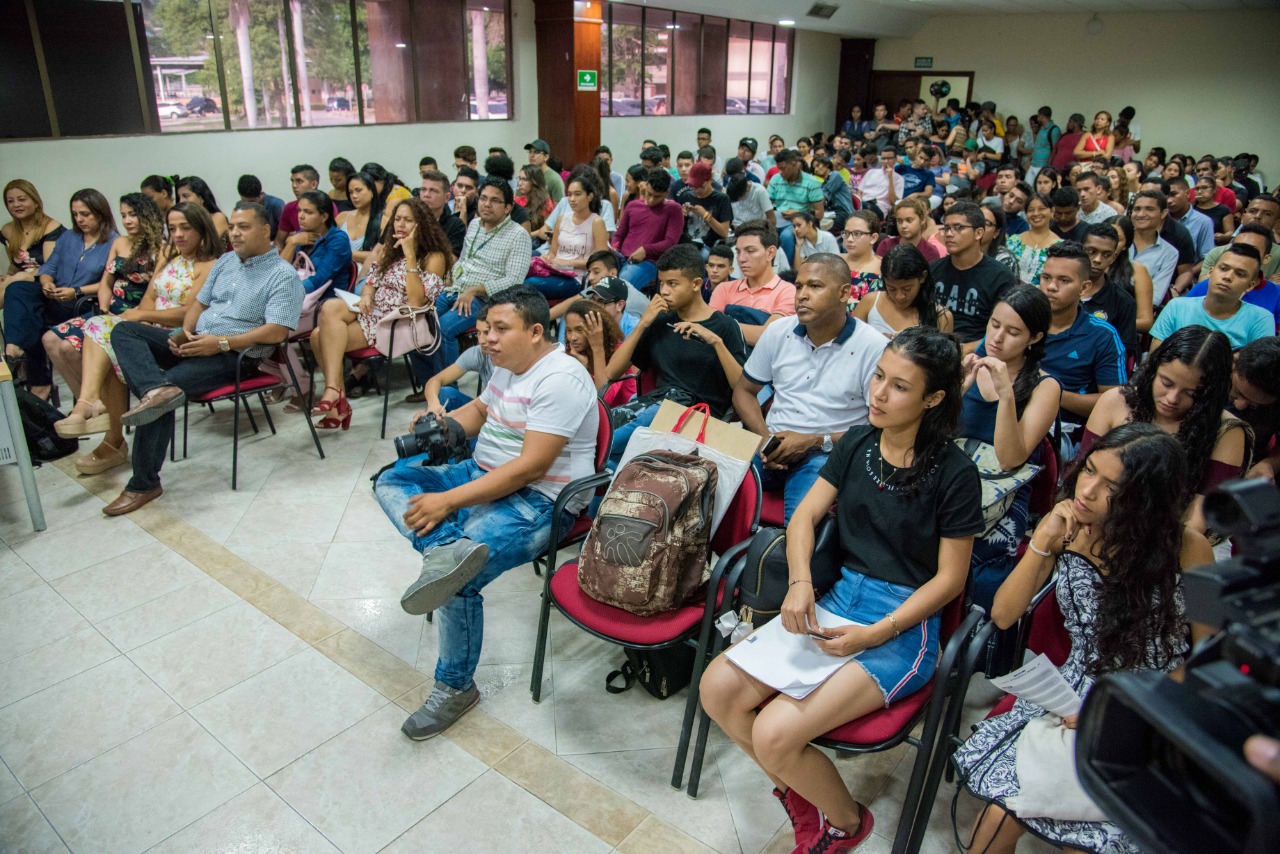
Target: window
(624, 59)
(782, 40)
(737, 89)
(386, 63)
(487, 60)
(761, 67)
(659, 25)
(326, 63)
(253, 42)
(178, 51)
(21, 96)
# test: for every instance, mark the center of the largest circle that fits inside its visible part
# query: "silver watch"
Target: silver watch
(826, 443)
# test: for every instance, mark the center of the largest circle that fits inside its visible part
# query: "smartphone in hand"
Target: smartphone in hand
(178, 336)
(770, 446)
(815, 633)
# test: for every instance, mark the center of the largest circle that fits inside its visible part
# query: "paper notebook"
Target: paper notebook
(352, 300)
(794, 664)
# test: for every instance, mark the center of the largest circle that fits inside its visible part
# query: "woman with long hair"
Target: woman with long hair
(131, 262)
(28, 237)
(1183, 388)
(907, 506)
(73, 270)
(408, 269)
(160, 189)
(604, 173)
(1173, 169)
(1047, 180)
(1224, 219)
(635, 174)
(1010, 404)
(1031, 247)
(912, 219)
(340, 169)
(1118, 546)
(1098, 141)
(363, 224)
(322, 241)
(183, 266)
(387, 185)
(992, 242)
(861, 231)
(1132, 276)
(532, 195)
(194, 191)
(590, 336)
(906, 297)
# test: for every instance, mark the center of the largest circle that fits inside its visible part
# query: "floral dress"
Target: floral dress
(987, 762)
(173, 286)
(129, 283)
(1030, 259)
(390, 292)
(863, 284)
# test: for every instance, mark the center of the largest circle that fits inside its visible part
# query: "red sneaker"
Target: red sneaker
(805, 818)
(832, 840)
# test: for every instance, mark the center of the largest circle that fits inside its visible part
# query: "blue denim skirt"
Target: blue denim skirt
(900, 666)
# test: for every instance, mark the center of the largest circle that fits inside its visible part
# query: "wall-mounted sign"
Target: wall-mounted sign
(587, 81)
(924, 62)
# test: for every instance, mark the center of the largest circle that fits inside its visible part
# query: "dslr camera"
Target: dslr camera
(441, 439)
(1163, 758)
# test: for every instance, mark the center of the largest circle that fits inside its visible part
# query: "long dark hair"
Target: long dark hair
(612, 332)
(1209, 352)
(905, 261)
(429, 237)
(1140, 543)
(997, 239)
(1035, 312)
(210, 246)
(937, 354)
(588, 179)
(378, 204)
(150, 239)
(739, 183)
(322, 203)
(1121, 270)
(389, 180)
(100, 208)
(201, 189)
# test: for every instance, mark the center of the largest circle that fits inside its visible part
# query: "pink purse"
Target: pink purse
(407, 329)
(310, 302)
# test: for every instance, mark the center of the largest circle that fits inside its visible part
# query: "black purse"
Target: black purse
(764, 581)
(661, 672)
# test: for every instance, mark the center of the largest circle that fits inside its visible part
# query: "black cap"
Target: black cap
(608, 289)
(749, 142)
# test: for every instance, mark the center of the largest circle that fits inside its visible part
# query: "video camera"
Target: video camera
(441, 439)
(1164, 759)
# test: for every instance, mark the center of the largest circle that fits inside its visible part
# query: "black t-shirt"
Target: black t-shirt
(689, 364)
(1177, 236)
(892, 536)
(970, 294)
(454, 229)
(1116, 307)
(1217, 213)
(1077, 233)
(716, 204)
(519, 215)
(1265, 421)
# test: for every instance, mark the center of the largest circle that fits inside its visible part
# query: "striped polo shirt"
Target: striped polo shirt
(799, 196)
(555, 395)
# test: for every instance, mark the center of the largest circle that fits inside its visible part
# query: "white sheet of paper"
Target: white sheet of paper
(1039, 682)
(791, 663)
(352, 300)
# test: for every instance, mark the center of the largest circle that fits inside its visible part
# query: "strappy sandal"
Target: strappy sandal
(326, 406)
(75, 425)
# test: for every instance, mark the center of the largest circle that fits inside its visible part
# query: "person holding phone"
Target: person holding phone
(907, 506)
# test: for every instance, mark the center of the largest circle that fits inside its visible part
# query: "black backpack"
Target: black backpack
(661, 672)
(764, 581)
(38, 417)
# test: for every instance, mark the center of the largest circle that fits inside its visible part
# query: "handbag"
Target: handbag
(310, 301)
(765, 580)
(408, 329)
(999, 487)
(661, 672)
(539, 268)
(1045, 757)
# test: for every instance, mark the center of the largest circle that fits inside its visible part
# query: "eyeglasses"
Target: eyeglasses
(849, 234)
(948, 229)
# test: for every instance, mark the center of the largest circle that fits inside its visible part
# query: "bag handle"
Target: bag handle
(628, 674)
(706, 416)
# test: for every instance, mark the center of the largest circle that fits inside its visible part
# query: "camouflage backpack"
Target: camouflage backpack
(648, 547)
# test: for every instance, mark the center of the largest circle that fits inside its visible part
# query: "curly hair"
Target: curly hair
(1140, 543)
(937, 354)
(150, 238)
(429, 237)
(612, 332)
(1203, 350)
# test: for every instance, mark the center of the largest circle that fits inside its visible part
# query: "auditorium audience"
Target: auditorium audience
(1103, 298)
(1255, 399)
(592, 336)
(321, 241)
(761, 296)
(650, 225)
(907, 296)
(1030, 247)
(1264, 212)
(534, 199)
(1265, 294)
(28, 237)
(912, 218)
(967, 280)
(1222, 307)
(195, 191)
(1148, 246)
(861, 231)
(159, 188)
(363, 224)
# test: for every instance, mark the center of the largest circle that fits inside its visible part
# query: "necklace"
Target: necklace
(883, 481)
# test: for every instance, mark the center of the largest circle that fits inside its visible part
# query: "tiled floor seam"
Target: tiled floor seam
(178, 535)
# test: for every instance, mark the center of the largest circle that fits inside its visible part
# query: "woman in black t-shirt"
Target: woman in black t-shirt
(908, 504)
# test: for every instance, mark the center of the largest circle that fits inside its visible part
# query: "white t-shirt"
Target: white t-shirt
(826, 243)
(756, 204)
(815, 389)
(555, 396)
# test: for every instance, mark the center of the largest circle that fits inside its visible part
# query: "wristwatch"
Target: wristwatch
(224, 345)
(826, 443)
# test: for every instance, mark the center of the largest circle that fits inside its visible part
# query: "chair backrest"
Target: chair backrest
(1048, 631)
(743, 516)
(952, 614)
(648, 382)
(355, 276)
(1044, 488)
(604, 435)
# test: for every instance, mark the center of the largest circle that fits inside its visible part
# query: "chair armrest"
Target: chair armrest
(575, 488)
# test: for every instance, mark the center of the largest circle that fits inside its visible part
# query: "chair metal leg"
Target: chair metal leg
(386, 393)
(248, 410)
(262, 399)
(707, 650)
(306, 409)
(699, 749)
(540, 649)
(186, 416)
(235, 438)
(173, 441)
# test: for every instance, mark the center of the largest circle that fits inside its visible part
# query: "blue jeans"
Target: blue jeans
(638, 275)
(746, 315)
(795, 482)
(787, 235)
(516, 529)
(453, 399)
(622, 434)
(555, 287)
(452, 324)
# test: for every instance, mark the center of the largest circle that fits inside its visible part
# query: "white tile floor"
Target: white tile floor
(145, 706)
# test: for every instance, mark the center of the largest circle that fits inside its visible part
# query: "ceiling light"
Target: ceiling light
(786, 22)
(401, 44)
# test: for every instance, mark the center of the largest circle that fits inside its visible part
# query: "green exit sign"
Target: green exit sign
(587, 81)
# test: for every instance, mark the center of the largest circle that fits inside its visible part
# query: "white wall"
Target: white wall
(1201, 83)
(115, 165)
(814, 74)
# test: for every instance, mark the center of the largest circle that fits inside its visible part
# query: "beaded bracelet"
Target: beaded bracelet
(894, 620)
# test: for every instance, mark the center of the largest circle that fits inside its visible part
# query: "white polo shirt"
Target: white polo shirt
(816, 389)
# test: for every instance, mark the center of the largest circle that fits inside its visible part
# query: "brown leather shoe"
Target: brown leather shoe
(128, 501)
(415, 397)
(154, 403)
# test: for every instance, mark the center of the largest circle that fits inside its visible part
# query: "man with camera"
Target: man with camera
(535, 424)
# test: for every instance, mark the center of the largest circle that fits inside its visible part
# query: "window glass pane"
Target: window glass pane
(659, 26)
(252, 37)
(737, 85)
(686, 59)
(22, 94)
(386, 63)
(761, 66)
(486, 27)
(782, 69)
(90, 61)
(326, 62)
(604, 64)
(626, 67)
(178, 40)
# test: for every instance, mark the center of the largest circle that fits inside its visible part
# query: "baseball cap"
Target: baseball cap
(608, 289)
(749, 142)
(538, 145)
(699, 174)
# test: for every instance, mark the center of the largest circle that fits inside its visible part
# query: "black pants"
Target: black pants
(27, 314)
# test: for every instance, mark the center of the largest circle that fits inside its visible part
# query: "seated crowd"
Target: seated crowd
(860, 302)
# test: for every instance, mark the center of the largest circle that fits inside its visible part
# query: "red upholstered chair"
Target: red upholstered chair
(1044, 489)
(691, 624)
(246, 385)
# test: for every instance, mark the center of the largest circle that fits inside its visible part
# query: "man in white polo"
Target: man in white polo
(819, 362)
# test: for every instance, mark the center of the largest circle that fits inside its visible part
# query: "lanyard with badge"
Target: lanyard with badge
(473, 250)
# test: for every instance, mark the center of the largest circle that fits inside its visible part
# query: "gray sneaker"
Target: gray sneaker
(443, 706)
(445, 571)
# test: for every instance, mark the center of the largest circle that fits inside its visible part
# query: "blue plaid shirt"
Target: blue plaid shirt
(240, 296)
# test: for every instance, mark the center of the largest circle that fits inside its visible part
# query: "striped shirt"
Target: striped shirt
(799, 196)
(240, 296)
(556, 396)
